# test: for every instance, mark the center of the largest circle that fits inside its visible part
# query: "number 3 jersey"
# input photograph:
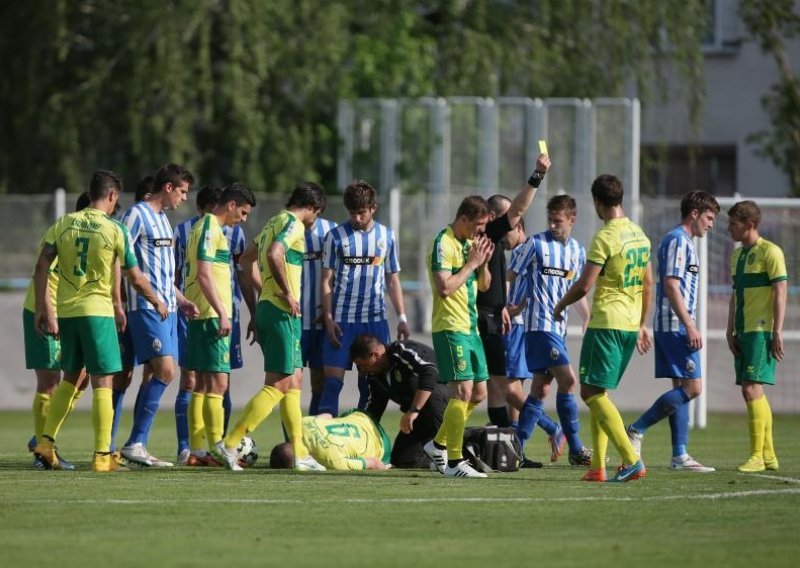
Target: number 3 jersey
(676, 259)
(88, 243)
(343, 443)
(623, 251)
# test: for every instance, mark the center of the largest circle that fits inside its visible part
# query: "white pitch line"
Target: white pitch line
(423, 500)
(768, 476)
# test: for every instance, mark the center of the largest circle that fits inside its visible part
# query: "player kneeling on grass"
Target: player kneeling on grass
(677, 340)
(351, 442)
(755, 326)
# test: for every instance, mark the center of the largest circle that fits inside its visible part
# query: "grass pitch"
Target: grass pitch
(545, 517)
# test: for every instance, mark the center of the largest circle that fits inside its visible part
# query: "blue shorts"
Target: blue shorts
(516, 362)
(311, 345)
(237, 362)
(674, 358)
(126, 352)
(340, 358)
(545, 350)
(151, 336)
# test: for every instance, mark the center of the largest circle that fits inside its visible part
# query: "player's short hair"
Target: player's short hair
(498, 204)
(103, 183)
(83, 201)
(700, 200)
(171, 173)
(473, 207)
(607, 189)
(562, 203)
(282, 456)
(208, 196)
(307, 194)
(359, 195)
(746, 211)
(143, 189)
(238, 192)
(363, 346)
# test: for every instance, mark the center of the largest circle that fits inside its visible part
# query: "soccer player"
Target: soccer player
(493, 317)
(352, 442)
(458, 268)
(676, 337)
(87, 245)
(359, 261)
(278, 250)
(755, 326)
(404, 372)
(208, 285)
(313, 329)
(43, 355)
(549, 262)
(154, 341)
(618, 261)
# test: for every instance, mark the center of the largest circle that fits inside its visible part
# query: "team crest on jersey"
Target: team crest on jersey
(157, 345)
(751, 259)
(690, 366)
(554, 354)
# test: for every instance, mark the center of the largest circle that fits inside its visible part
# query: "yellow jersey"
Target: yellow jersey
(754, 270)
(87, 244)
(208, 243)
(458, 312)
(286, 229)
(623, 251)
(343, 443)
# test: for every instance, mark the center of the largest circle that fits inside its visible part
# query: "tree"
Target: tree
(771, 23)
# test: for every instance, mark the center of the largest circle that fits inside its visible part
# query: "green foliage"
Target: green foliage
(247, 89)
(771, 23)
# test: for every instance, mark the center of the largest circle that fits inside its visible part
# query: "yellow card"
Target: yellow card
(542, 147)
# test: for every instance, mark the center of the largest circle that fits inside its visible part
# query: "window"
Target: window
(671, 171)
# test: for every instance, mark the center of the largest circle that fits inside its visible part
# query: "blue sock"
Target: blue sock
(150, 398)
(117, 397)
(568, 416)
(679, 426)
(363, 391)
(313, 407)
(513, 424)
(664, 406)
(547, 424)
(329, 401)
(226, 407)
(528, 418)
(181, 420)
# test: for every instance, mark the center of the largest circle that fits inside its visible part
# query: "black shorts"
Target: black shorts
(490, 326)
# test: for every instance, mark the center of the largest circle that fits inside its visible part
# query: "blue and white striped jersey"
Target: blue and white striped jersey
(151, 237)
(519, 287)
(236, 243)
(550, 267)
(360, 261)
(312, 272)
(677, 258)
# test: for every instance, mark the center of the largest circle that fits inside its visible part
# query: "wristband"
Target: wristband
(402, 318)
(536, 178)
(413, 410)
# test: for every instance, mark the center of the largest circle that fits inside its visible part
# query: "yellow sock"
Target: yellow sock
(257, 409)
(455, 419)
(41, 404)
(441, 436)
(197, 426)
(102, 417)
(610, 421)
(470, 407)
(599, 442)
(214, 418)
(78, 394)
(292, 418)
(756, 425)
(60, 405)
(769, 447)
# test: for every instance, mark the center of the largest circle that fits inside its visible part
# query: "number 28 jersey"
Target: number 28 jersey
(623, 251)
(88, 242)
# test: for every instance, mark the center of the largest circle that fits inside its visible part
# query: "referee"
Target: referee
(404, 372)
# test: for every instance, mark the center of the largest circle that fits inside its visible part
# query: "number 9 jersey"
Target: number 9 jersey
(623, 251)
(88, 243)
